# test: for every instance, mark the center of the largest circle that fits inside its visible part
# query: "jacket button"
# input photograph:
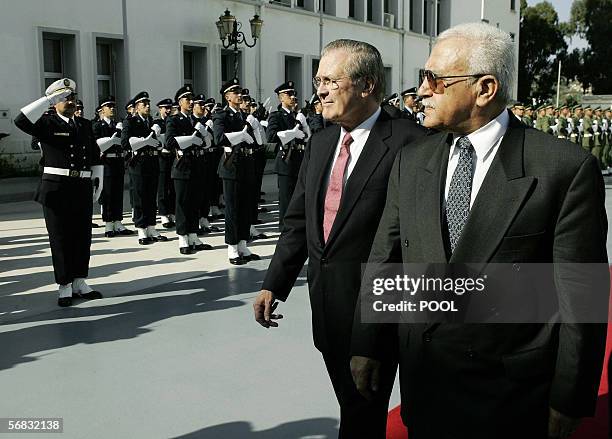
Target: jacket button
(470, 353)
(427, 337)
(324, 260)
(516, 267)
(71, 155)
(406, 243)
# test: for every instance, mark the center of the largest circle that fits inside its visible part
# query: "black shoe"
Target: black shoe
(262, 193)
(262, 210)
(92, 295)
(64, 301)
(93, 226)
(238, 261)
(214, 229)
(260, 236)
(159, 238)
(200, 247)
(261, 200)
(252, 257)
(145, 241)
(126, 232)
(187, 250)
(168, 225)
(110, 234)
(258, 221)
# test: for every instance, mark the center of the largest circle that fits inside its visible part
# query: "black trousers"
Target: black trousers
(166, 196)
(209, 178)
(286, 186)
(188, 201)
(217, 186)
(144, 196)
(260, 166)
(238, 195)
(68, 222)
(111, 198)
(359, 418)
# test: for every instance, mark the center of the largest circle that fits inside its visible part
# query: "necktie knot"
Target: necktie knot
(347, 140)
(464, 143)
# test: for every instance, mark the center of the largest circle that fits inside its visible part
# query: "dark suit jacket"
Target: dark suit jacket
(542, 201)
(65, 148)
(334, 268)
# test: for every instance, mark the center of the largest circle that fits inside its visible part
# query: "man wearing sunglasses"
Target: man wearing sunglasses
(72, 171)
(332, 217)
(487, 189)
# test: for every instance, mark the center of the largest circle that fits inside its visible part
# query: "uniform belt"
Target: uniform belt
(588, 135)
(299, 147)
(66, 172)
(165, 151)
(192, 153)
(149, 153)
(114, 155)
(245, 151)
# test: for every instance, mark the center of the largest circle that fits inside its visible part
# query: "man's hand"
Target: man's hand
(264, 305)
(561, 426)
(366, 375)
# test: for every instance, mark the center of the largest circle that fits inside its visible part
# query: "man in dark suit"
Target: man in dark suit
(487, 190)
(71, 165)
(332, 217)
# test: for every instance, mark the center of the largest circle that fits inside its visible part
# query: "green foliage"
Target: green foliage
(591, 19)
(541, 45)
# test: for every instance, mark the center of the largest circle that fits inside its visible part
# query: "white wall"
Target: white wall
(157, 28)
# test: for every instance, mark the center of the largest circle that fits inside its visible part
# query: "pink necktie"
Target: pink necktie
(334, 189)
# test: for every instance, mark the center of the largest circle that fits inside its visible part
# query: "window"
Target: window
(351, 9)
(299, 3)
(105, 69)
(231, 65)
(293, 72)
(416, 16)
(53, 60)
(513, 5)
(194, 68)
(369, 11)
(188, 67)
(329, 7)
(388, 81)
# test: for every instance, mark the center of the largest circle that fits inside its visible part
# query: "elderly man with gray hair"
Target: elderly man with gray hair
(332, 217)
(487, 189)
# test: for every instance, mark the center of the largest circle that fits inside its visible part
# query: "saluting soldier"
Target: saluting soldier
(72, 173)
(166, 197)
(237, 169)
(186, 137)
(408, 97)
(143, 167)
(288, 135)
(199, 116)
(108, 138)
(315, 119)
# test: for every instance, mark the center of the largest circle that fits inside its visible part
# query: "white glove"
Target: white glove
(185, 142)
(119, 126)
(288, 135)
(264, 123)
(555, 128)
(162, 139)
(246, 137)
(256, 128)
(34, 110)
(200, 128)
(156, 129)
(302, 119)
(106, 142)
(209, 123)
(227, 149)
(97, 178)
(207, 138)
(139, 142)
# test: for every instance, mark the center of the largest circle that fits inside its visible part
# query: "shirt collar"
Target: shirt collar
(107, 120)
(143, 119)
(486, 137)
(65, 119)
(286, 109)
(363, 129)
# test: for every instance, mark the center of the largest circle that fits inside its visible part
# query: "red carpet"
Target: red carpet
(591, 428)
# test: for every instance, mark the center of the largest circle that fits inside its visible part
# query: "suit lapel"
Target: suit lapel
(373, 151)
(429, 194)
(500, 197)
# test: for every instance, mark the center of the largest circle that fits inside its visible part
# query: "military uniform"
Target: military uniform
(187, 174)
(284, 131)
(237, 169)
(166, 197)
(71, 161)
(108, 138)
(213, 181)
(143, 168)
(587, 131)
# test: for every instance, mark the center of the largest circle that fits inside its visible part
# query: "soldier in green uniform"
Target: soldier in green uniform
(575, 122)
(528, 116)
(563, 126)
(542, 122)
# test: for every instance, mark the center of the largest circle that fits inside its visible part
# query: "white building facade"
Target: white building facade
(121, 47)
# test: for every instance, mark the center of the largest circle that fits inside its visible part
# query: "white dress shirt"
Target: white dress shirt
(486, 141)
(360, 136)
(65, 119)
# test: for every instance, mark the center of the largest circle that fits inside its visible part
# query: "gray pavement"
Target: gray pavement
(171, 351)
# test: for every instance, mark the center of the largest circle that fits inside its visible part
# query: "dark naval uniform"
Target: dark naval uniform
(66, 199)
(114, 169)
(144, 170)
(166, 197)
(288, 158)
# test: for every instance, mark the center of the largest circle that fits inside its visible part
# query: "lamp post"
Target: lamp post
(230, 33)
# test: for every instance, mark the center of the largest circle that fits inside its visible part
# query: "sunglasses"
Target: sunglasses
(436, 83)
